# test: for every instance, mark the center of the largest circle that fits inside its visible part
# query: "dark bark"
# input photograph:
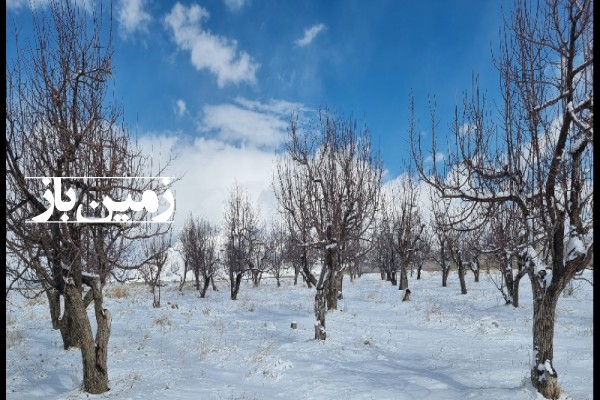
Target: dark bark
(235, 286)
(543, 346)
(256, 275)
(445, 272)
(403, 277)
(185, 270)
(197, 278)
(94, 352)
(205, 286)
(461, 276)
(334, 280)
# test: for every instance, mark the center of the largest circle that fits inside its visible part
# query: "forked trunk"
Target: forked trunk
(205, 286)
(235, 286)
(94, 353)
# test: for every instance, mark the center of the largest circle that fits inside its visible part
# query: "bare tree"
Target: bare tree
(276, 249)
(406, 224)
(504, 239)
(60, 123)
(157, 253)
(383, 254)
(302, 258)
(540, 157)
(243, 237)
(199, 247)
(328, 186)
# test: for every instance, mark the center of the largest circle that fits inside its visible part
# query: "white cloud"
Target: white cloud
(181, 108)
(249, 122)
(210, 167)
(309, 35)
(208, 51)
(132, 17)
(235, 5)
(247, 132)
(439, 156)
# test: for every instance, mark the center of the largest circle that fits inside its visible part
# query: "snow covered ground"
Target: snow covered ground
(439, 345)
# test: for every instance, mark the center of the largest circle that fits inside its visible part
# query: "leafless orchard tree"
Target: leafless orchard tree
(423, 250)
(302, 258)
(328, 189)
(276, 249)
(440, 228)
(61, 123)
(406, 224)
(243, 237)
(539, 159)
(157, 253)
(199, 249)
(383, 254)
(504, 239)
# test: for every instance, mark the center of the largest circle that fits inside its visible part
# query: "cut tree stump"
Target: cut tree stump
(294, 325)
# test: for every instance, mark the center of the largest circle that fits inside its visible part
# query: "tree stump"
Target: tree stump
(406, 295)
(294, 325)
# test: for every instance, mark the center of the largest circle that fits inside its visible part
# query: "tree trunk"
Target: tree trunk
(445, 272)
(383, 274)
(543, 375)
(508, 280)
(214, 286)
(197, 277)
(185, 269)
(419, 271)
(403, 277)
(392, 278)
(205, 286)
(54, 304)
(235, 285)
(94, 353)
(156, 302)
(516, 282)
(515, 291)
(69, 328)
(334, 282)
(475, 268)
(320, 309)
(256, 275)
(461, 277)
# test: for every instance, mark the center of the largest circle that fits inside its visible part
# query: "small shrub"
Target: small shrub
(34, 301)
(163, 321)
(14, 336)
(119, 291)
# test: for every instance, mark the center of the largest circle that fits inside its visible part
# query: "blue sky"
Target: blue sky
(217, 79)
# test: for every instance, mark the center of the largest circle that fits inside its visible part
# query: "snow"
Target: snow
(438, 345)
(575, 248)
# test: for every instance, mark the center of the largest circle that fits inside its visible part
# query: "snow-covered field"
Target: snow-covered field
(440, 345)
